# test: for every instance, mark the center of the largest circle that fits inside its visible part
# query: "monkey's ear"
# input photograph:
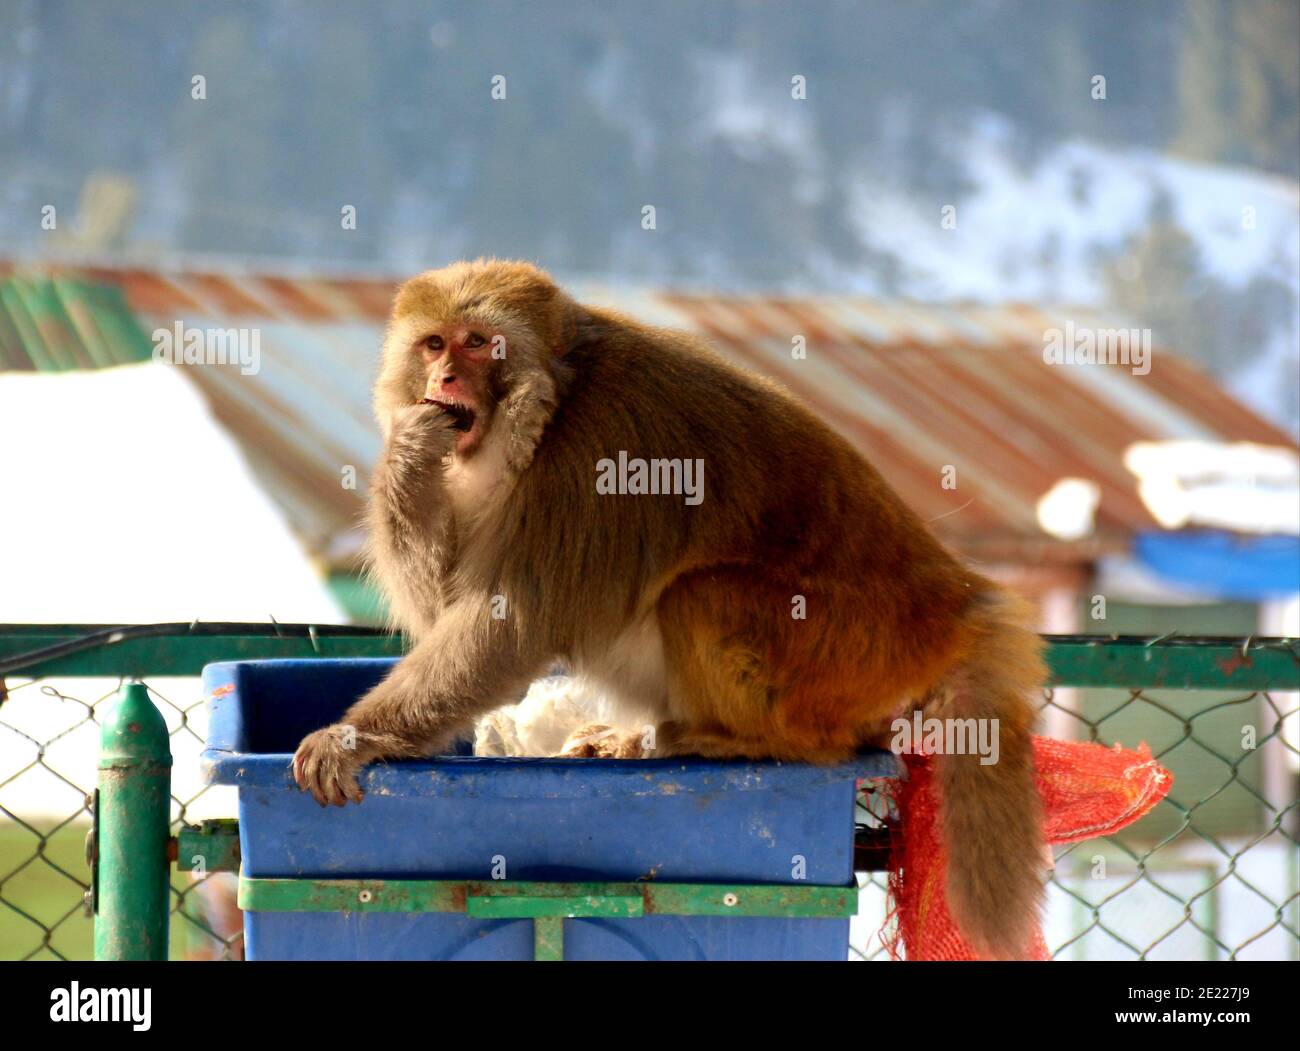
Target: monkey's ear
(583, 327)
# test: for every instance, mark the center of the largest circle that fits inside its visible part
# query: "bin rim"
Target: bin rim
(223, 762)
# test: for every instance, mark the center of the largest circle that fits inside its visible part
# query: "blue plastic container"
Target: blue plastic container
(676, 821)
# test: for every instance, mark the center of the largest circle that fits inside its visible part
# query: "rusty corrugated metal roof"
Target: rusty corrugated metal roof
(916, 387)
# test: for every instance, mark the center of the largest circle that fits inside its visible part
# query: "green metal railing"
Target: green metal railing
(141, 650)
(129, 887)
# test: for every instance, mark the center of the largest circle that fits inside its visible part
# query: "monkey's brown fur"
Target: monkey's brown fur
(687, 610)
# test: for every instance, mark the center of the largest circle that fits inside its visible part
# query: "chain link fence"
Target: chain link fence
(45, 815)
(1213, 872)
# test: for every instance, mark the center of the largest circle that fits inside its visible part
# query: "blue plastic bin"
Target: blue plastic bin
(676, 821)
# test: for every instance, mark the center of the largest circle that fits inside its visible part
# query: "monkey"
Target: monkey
(792, 613)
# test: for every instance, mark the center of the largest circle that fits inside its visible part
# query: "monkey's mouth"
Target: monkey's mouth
(462, 416)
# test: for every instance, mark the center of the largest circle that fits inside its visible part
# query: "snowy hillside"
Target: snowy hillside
(1087, 224)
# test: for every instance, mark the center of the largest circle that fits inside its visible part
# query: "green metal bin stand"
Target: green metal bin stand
(547, 904)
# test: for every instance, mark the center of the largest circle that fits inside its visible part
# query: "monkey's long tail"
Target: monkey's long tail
(991, 815)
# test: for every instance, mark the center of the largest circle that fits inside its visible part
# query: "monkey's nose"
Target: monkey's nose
(448, 380)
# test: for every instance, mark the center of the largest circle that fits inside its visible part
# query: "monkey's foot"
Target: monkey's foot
(326, 765)
(595, 741)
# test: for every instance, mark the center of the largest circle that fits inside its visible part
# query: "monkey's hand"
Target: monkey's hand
(421, 431)
(326, 765)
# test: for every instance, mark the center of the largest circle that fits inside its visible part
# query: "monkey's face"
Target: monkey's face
(441, 351)
(465, 337)
(459, 376)
(442, 361)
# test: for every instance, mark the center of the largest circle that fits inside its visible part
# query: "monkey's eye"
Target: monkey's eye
(433, 343)
(474, 339)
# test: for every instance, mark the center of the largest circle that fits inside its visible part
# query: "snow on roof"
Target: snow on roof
(128, 502)
(1238, 486)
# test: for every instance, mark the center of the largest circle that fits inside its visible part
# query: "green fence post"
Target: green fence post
(132, 814)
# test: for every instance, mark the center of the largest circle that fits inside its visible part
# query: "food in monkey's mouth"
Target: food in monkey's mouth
(462, 416)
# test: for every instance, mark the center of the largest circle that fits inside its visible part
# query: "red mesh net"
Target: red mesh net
(1088, 790)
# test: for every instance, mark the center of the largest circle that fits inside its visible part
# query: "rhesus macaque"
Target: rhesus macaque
(792, 613)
